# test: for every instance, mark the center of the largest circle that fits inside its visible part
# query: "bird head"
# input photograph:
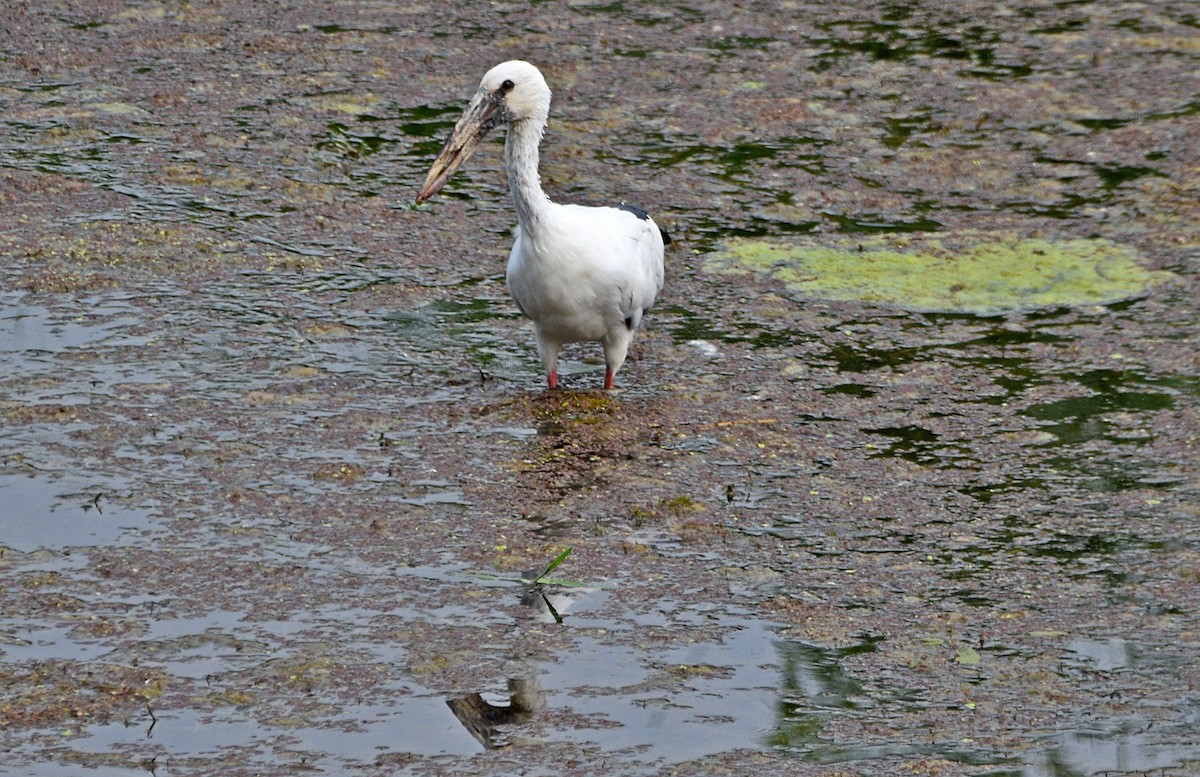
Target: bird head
(510, 93)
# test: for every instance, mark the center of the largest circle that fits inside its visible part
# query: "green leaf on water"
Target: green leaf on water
(553, 564)
(541, 579)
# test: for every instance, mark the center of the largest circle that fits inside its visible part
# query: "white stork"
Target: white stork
(582, 274)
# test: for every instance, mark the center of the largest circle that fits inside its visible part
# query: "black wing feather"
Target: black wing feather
(644, 216)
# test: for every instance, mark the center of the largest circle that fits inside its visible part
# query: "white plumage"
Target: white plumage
(579, 273)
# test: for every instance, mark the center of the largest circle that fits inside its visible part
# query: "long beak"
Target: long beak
(471, 128)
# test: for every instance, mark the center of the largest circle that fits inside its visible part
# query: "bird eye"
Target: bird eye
(507, 86)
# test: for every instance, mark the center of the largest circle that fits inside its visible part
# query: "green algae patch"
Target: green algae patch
(988, 277)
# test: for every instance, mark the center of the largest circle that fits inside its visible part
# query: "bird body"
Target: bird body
(579, 273)
(584, 291)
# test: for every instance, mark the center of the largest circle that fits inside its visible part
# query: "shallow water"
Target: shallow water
(277, 461)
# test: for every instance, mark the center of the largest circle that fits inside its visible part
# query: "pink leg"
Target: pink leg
(608, 379)
(552, 379)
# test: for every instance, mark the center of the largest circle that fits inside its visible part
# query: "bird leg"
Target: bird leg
(608, 378)
(552, 378)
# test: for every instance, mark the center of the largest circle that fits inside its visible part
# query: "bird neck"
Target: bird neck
(521, 155)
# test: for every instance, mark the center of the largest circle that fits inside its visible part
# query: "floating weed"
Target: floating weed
(681, 505)
(889, 40)
(574, 407)
(994, 276)
(340, 141)
(1114, 176)
(1111, 393)
(736, 163)
(913, 443)
(543, 578)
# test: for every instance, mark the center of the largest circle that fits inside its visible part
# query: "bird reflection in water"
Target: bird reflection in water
(489, 722)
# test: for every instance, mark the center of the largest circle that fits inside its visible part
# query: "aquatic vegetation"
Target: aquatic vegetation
(279, 511)
(994, 275)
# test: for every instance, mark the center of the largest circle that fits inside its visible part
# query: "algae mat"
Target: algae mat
(988, 276)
